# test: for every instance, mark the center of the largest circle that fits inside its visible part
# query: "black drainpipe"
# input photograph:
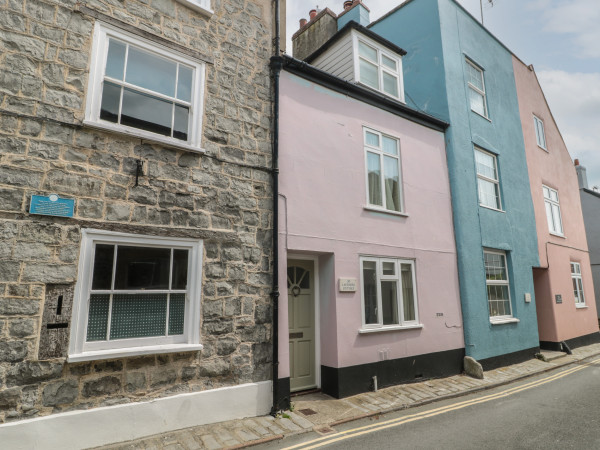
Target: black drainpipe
(276, 64)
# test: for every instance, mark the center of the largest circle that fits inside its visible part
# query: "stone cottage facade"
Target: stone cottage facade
(142, 270)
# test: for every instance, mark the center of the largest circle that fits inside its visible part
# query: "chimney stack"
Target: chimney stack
(302, 22)
(320, 27)
(581, 175)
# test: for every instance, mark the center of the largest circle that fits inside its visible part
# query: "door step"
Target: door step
(550, 355)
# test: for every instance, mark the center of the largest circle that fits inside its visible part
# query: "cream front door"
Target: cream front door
(301, 314)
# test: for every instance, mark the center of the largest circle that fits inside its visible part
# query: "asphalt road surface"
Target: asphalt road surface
(556, 410)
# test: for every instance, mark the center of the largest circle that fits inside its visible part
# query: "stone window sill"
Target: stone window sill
(390, 328)
(385, 211)
(143, 135)
(504, 320)
(136, 351)
(203, 7)
(581, 307)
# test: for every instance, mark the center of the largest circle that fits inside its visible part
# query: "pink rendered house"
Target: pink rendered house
(564, 289)
(366, 239)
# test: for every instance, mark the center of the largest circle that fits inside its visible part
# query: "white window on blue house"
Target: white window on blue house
(135, 295)
(476, 85)
(497, 284)
(142, 89)
(488, 183)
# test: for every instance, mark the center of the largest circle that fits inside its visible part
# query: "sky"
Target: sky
(561, 38)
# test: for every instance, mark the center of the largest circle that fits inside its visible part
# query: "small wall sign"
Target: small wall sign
(347, 284)
(52, 205)
(558, 298)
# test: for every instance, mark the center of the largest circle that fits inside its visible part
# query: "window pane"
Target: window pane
(392, 183)
(486, 165)
(184, 83)
(389, 268)
(477, 102)
(115, 61)
(146, 112)
(546, 192)
(98, 317)
(372, 139)
(367, 51)
(390, 84)
(151, 72)
(370, 291)
(176, 314)
(488, 194)
(138, 315)
(111, 98)
(142, 268)
(369, 74)
(495, 267)
(374, 179)
(550, 218)
(475, 77)
(499, 300)
(389, 62)
(389, 306)
(182, 118)
(390, 146)
(103, 267)
(580, 285)
(408, 294)
(180, 269)
(557, 219)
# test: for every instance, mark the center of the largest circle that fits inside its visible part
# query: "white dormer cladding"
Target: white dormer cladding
(364, 61)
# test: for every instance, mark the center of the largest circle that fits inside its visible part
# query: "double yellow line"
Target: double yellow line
(326, 440)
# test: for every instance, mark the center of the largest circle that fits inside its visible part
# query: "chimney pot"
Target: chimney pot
(576, 162)
(312, 14)
(302, 22)
(348, 4)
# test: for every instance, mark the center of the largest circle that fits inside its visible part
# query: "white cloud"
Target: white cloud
(578, 18)
(574, 99)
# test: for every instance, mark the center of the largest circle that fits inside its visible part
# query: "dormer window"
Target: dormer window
(379, 69)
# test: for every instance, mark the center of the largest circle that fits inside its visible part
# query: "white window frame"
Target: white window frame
(80, 350)
(551, 206)
(381, 68)
(495, 181)
(379, 151)
(477, 90)
(540, 134)
(403, 324)
(201, 6)
(102, 33)
(576, 276)
(507, 317)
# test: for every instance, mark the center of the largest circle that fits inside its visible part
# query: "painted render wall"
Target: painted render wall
(553, 168)
(322, 167)
(435, 80)
(590, 205)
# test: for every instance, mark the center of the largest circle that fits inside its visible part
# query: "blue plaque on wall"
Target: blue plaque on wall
(52, 205)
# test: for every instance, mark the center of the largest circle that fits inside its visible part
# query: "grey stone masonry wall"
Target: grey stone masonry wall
(222, 196)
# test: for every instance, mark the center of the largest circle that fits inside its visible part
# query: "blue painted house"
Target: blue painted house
(456, 70)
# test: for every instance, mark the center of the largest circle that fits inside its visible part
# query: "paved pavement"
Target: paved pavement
(320, 412)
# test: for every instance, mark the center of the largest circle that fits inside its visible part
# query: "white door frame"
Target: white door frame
(317, 324)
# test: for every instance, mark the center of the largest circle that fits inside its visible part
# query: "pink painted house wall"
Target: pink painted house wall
(553, 168)
(322, 213)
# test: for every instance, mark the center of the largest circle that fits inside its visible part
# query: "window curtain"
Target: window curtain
(408, 293)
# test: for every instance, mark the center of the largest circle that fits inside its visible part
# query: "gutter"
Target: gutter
(276, 67)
